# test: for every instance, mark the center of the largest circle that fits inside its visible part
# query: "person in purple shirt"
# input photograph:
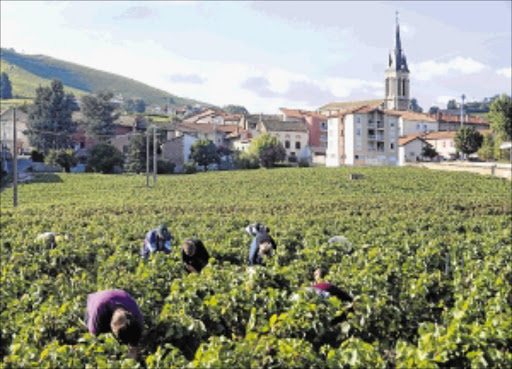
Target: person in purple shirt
(158, 239)
(117, 312)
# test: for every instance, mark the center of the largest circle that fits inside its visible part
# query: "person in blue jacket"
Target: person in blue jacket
(158, 239)
(262, 244)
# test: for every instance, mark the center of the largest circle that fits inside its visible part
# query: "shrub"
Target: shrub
(165, 167)
(104, 158)
(303, 163)
(245, 160)
(37, 156)
(189, 168)
(64, 158)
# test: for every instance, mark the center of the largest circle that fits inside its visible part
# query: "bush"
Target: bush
(37, 156)
(303, 163)
(189, 168)
(245, 160)
(104, 158)
(165, 167)
(64, 158)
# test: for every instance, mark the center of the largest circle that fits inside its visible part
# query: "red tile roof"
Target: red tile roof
(411, 115)
(404, 140)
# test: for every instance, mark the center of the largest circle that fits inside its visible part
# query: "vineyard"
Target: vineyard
(430, 268)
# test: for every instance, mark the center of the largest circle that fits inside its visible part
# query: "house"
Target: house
(343, 107)
(292, 134)
(178, 150)
(316, 124)
(363, 136)
(448, 122)
(6, 132)
(239, 140)
(443, 143)
(209, 116)
(215, 133)
(410, 148)
(410, 122)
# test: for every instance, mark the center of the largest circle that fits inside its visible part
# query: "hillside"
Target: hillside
(27, 72)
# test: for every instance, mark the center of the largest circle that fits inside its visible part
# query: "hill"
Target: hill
(27, 72)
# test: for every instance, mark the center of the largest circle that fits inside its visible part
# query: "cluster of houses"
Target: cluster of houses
(369, 132)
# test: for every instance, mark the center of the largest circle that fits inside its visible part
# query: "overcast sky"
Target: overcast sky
(266, 55)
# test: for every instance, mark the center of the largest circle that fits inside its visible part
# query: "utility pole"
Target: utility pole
(462, 111)
(147, 157)
(154, 156)
(15, 159)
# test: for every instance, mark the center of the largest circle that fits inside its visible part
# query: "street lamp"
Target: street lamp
(462, 110)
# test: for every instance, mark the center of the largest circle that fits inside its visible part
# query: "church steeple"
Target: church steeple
(397, 76)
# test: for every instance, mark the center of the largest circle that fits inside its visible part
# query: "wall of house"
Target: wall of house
(349, 141)
(410, 152)
(332, 152)
(6, 133)
(416, 126)
(122, 142)
(173, 151)
(292, 138)
(445, 147)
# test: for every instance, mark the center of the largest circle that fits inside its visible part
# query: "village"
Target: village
(373, 132)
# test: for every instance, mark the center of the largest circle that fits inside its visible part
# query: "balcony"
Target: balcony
(371, 124)
(380, 125)
(380, 138)
(372, 137)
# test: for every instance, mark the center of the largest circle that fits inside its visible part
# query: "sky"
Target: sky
(266, 55)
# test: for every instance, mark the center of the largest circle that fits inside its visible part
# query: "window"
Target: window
(358, 132)
(418, 127)
(297, 145)
(287, 144)
(411, 153)
(323, 125)
(444, 143)
(392, 146)
(342, 133)
(358, 120)
(392, 123)
(451, 143)
(424, 127)
(356, 157)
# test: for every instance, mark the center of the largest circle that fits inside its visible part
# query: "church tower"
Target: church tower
(397, 77)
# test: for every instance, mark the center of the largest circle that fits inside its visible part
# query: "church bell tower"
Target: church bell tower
(397, 77)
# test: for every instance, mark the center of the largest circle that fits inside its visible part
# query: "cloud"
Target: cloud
(506, 72)
(187, 78)
(136, 12)
(427, 70)
(260, 86)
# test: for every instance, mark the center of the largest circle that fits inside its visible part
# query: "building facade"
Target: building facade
(364, 136)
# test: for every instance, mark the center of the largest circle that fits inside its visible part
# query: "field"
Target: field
(430, 269)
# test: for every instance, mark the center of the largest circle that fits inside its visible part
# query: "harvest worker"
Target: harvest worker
(262, 245)
(46, 239)
(158, 239)
(194, 255)
(325, 289)
(117, 312)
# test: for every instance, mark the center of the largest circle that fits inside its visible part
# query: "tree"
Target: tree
(433, 110)
(452, 104)
(65, 158)
(235, 109)
(268, 149)
(99, 115)
(428, 151)
(137, 153)
(500, 117)
(468, 140)
(104, 157)
(5, 87)
(50, 124)
(415, 107)
(140, 106)
(486, 152)
(204, 152)
(129, 106)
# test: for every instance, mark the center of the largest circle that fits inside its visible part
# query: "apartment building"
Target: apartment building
(363, 136)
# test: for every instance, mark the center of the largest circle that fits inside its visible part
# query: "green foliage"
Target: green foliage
(452, 104)
(488, 148)
(65, 158)
(204, 153)
(245, 160)
(500, 117)
(189, 168)
(468, 140)
(99, 115)
(50, 124)
(429, 267)
(415, 107)
(104, 158)
(5, 87)
(428, 151)
(37, 156)
(303, 163)
(165, 166)
(235, 109)
(268, 149)
(137, 153)
(433, 110)
(134, 106)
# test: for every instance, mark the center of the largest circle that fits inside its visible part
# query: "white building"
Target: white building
(410, 122)
(363, 136)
